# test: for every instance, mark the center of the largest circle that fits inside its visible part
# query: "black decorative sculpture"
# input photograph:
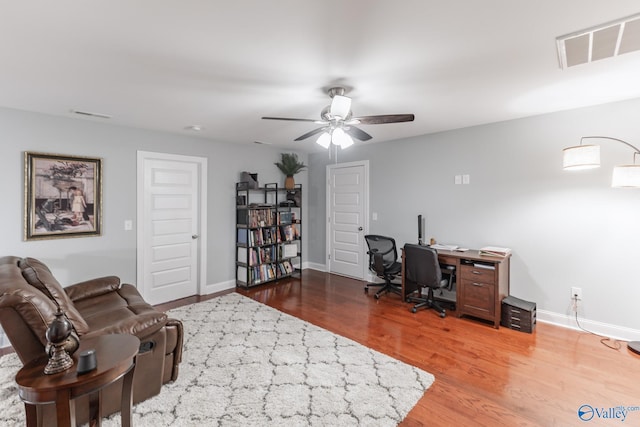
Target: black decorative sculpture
(57, 333)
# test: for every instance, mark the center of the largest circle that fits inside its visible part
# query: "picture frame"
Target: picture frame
(62, 196)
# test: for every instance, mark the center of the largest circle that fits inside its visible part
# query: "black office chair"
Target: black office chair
(383, 257)
(422, 270)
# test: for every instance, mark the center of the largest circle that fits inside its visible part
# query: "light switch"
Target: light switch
(465, 179)
(458, 179)
(128, 225)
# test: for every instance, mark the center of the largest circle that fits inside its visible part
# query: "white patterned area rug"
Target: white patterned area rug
(247, 364)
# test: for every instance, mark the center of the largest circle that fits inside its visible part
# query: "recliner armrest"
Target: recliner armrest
(143, 325)
(93, 288)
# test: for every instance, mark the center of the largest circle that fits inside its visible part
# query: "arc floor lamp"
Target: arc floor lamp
(587, 156)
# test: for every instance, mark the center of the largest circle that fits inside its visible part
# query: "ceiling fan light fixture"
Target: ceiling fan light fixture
(340, 106)
(324, 140)
(339, 137)
(338, 115)
(346, 142)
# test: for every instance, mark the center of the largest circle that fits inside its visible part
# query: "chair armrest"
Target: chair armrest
(378, 263)
(142, 325)
(93, 288)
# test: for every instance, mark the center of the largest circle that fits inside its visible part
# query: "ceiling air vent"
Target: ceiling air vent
(600, 42)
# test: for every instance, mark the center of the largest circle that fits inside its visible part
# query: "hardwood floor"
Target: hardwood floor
(483, 376)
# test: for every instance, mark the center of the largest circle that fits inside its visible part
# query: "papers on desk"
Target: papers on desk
(494, 251)
(443, 247)
(440, 246)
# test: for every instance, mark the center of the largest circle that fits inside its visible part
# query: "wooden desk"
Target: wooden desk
(479, 291)
(115, 356)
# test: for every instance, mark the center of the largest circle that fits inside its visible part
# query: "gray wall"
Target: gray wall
(114, 253)
(565, 228)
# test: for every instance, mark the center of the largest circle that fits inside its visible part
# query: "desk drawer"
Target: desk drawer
(478, 274)
(478, 298)
(447, 259)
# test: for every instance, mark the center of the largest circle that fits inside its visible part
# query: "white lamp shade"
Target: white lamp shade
(347, 141)
(581, 157)
(340, 106)
(341, 138)
(324, 140)
(626, 176)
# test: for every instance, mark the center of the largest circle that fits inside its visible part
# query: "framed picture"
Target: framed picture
(62, 196)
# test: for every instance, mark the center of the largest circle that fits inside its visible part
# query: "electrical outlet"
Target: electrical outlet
(576, 293)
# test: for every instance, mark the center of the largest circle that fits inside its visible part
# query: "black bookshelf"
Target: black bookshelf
(268, 233)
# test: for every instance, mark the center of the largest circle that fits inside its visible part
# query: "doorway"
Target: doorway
(347, 218)
(171, 232)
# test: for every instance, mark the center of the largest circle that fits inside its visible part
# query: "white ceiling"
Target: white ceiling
(168, 64)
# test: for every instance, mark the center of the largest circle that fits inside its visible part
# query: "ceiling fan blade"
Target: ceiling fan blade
(311, 133)
(357, 133)
(291, 119)
(386, 118)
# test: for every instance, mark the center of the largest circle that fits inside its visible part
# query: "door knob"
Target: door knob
(360, 228)
(194, 236)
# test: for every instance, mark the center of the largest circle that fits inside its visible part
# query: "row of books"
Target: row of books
(268, 235)
(262, 255)
(261, 273)
(264, 217)
(266, 254)
(285, 267)
(289, 233)
(258, 236)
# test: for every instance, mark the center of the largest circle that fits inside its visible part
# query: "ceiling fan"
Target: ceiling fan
(338, 124)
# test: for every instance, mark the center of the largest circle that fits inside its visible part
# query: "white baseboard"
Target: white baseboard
(605, 329)
(315, 266)
(218, 287)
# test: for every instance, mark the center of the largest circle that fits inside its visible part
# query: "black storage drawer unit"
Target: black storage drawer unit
(518, 314)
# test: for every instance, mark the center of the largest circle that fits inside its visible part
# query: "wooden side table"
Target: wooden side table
(116, 358)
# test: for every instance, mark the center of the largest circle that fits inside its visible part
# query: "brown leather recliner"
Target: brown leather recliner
(30, 297)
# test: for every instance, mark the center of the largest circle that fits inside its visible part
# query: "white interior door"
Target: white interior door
(347, 213)
(169, 226)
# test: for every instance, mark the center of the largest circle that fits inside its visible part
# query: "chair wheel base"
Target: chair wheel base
(414, 310)
(442, 315)
(377, 296)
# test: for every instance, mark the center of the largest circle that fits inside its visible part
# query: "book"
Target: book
(494, 251)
